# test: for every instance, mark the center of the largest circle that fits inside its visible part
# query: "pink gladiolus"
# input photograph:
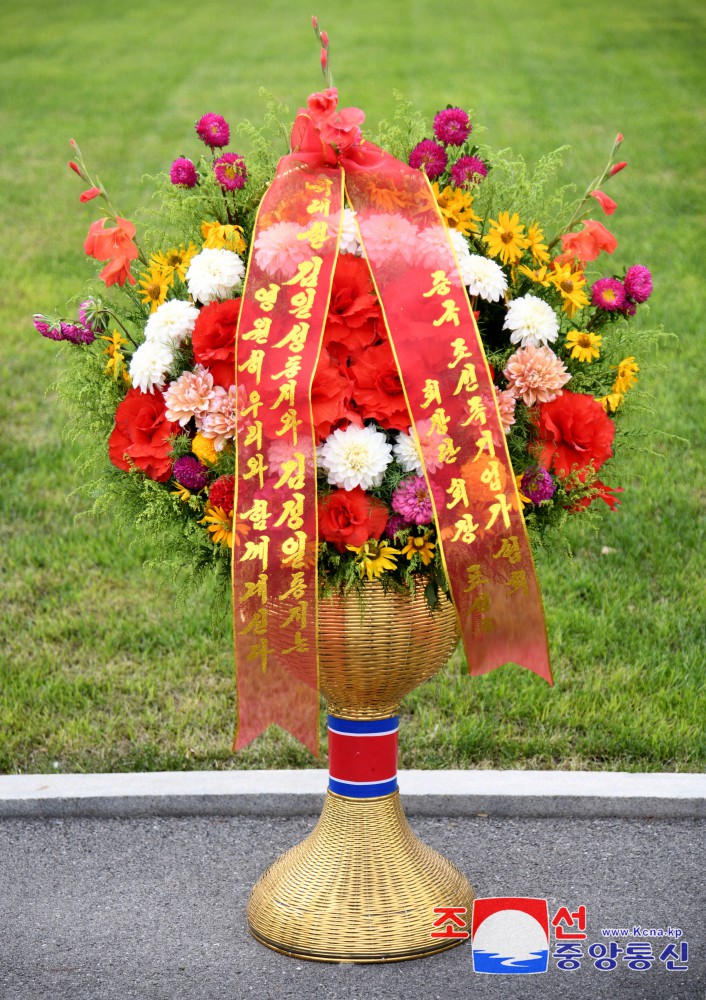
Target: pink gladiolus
(617, 167)
(324, 58)
(89, 195)
(324, 39)
(606, 203)
(314, 22)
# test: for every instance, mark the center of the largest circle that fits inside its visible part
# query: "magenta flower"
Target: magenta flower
(468, 170)
(213, 130)
(183, 173)
(77, 333)
(452, 126)
(411, 499)
(609, 294)
(638, 283)
(230, 171)
(189, 472)
(430, 157)
(49, 328)
(537, 484)
(395, 524)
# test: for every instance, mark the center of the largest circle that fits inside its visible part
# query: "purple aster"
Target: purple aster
(411, 499)
(395, 524)
(49, 328)
(638, 283)
(213, 130)
(537, 484)
(183, 173)
(430, 157)
(468, 170)
(452, 126)
(230, 171)
(609, 294)
(189, 472)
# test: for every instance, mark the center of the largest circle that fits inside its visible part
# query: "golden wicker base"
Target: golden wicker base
(360, 888)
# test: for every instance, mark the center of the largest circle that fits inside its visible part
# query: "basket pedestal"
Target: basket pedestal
(362, 887)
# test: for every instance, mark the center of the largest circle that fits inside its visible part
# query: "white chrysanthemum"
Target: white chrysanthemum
(356, 456)
(459, 243)
(349, 234)
(405, 451)
(173, 322)
(150, 363)
(484, 277)
(532, 321)
(214, 274)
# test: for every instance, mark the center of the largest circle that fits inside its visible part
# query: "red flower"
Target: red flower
(344, 342)
(378, 392)
(352, 300)
(601, 492)
(222, 494)
(141, 435)
(113, 244)
(351, 517)
(331, 394)
(606, 203)
(575, 432)
(213, 340)
(588, 243)
(89, 195)
(617, 167)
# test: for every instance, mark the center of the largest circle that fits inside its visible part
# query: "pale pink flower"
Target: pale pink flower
(388, 237)
(536, 374)
(219, 423)
(506, 407)
(434, 252)
(279, 251)
(429, 441)
(189, 396)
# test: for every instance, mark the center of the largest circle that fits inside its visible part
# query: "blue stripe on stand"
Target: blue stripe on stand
(362, 790)
(364, 727)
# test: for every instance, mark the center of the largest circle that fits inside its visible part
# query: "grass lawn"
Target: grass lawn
(98, 669)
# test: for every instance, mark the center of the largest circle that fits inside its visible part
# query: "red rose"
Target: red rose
(331, 393)
(352, 300)
(351, 517)
(213, 340)
(378, 388)
(575, 432)
(141, 435)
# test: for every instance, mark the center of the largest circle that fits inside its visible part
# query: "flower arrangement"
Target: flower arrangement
(152, 369)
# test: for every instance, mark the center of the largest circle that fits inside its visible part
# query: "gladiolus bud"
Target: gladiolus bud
(324, 58)
(617, 167)
(73, 143)
(314, 22)
(74, 167)
(618, 138)
(89, 195)
(324, 39)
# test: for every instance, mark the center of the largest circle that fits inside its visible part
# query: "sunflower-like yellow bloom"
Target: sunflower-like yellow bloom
(611, 402)
(420, 545)
(627, 375)
(506, 238)
(540, 276)
(584, 346)
(523, 499)
(374, 558)
(536, 247)
(155, 285)
(181, 492)
(456, 207)
(219, 525)
(218, 237)
(174, 261)
(115, 365)
(571, 285)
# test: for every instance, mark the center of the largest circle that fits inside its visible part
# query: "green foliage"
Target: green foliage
(407, 128)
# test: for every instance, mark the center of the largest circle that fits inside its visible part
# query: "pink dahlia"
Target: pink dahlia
(535, 374)
(452, 126)
(389, 237)
(430, 157)
(506, 407)
(213, 130)
(279, 251)
(220, 422)
(411, 499)
(468, 170)
(189, 396)
(638, 283)
(183, 173)
(230, 171)
(609, 294)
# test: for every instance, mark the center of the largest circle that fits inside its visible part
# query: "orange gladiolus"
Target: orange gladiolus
(587, 243)
(606, 203)
(115, 245)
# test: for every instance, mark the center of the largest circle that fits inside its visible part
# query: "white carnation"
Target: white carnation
(214, 274)
(356, 456)
(349, 234)
(484, 277)
(405, 451)
(532, 321)
(150, 363)
(172, 322)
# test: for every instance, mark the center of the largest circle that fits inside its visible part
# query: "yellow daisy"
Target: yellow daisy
(571, 285)
(584, 346)
(506, 238)
(155, 285)
(540, 276)
(374, 558)
(536, 247)
(218, 237)
(611, 402)
(115, 365)
(181, 492)
(420, 545)
(456, 207)
(523, 499)
(173, 262)
(627, 375)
